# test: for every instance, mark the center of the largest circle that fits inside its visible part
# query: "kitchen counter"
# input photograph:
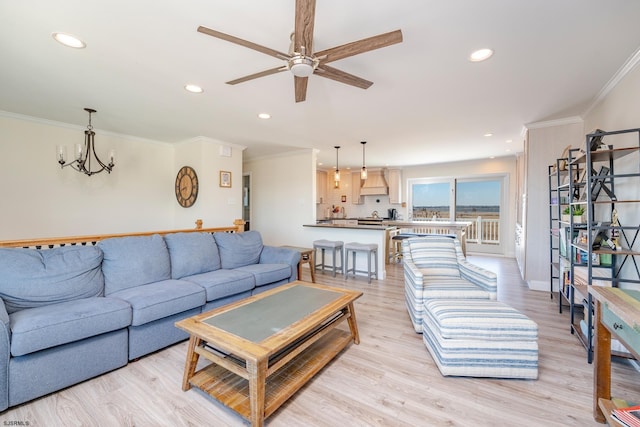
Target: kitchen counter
(377, 234)
(355, 226)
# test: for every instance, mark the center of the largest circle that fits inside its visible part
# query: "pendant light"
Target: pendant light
(363, 172)
(336, 174)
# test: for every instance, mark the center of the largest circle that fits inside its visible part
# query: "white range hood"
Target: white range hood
(375, 184)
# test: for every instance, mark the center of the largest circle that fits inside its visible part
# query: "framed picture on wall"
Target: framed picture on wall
(225, 179)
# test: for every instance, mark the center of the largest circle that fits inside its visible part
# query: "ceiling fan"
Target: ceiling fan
(302, 61)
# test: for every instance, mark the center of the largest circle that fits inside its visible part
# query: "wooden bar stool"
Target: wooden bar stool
(334, 246)
(371, 250)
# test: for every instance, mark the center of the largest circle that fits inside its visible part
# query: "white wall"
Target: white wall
(215, 205)
(546, 144)
(283, 196)
(41, 200)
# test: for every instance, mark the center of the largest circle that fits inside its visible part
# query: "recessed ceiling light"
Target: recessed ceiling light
(193, 88)
(488, 134)
(480, 55)
(264, 116)
(508, 150)
(68, 40)
(509, 141)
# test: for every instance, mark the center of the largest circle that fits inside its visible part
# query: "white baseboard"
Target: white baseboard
(539, 285)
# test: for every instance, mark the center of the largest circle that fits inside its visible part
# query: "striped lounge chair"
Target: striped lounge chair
(436, 268)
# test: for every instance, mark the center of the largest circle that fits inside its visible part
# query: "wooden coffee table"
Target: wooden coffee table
(264, 348)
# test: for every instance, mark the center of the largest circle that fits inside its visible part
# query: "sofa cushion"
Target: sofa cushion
(239, 249)
(267, 273)
(480, 320)
(34, 278)
(55, 324)
(157, 300)
(435, 255)
(134, 261)
(192, 253)
(223, 283)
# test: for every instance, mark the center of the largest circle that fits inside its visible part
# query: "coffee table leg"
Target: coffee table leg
(192, 361)
(353, 325)
(257, 370)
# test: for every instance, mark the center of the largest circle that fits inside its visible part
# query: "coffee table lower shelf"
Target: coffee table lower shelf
(233, 391)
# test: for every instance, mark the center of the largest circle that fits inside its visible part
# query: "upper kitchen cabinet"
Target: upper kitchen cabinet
(355, 188)
(321, 187)
(394, 178)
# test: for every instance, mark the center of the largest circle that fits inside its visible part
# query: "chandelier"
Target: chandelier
(85, 155)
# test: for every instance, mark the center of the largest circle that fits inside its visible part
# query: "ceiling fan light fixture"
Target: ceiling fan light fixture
(301, 66)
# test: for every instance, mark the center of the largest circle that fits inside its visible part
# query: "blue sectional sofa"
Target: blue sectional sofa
(71, 313)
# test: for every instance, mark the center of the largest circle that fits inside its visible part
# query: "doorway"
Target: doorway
(246, 201)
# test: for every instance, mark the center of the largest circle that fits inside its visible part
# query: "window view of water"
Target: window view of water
(475, 201)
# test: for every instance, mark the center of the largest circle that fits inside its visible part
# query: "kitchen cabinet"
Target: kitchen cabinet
(321, 187)
(356, 199)
(394, 179)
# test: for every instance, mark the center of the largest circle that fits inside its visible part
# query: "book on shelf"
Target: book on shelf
(629, 416)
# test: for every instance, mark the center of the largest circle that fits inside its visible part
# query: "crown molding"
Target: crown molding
(63, 125)
(551, 123)
(622, 72)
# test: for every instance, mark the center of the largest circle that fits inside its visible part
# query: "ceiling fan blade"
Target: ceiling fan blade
(360, 46)
(342, 77)
(300, 84)
(303, 32)
(241, 42)
(257, 75)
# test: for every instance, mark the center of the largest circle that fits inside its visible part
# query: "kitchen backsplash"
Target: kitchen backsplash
(371, 203)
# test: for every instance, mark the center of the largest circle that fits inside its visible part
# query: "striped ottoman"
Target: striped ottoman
(480, 338)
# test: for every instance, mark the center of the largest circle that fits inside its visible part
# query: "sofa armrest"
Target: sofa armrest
(412, 274)
(5, 345)
(487, 280)
(276, 255)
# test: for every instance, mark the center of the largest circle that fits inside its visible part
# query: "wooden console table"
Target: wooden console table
(618, 315)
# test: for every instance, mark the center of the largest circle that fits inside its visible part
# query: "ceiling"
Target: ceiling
(428, 103)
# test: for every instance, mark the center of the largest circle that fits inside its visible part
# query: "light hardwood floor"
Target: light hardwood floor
(387, 380)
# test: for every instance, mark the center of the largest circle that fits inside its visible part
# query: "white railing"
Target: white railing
(484, 231)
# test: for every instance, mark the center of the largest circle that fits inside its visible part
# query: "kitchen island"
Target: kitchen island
(347, 233)
(369, 230)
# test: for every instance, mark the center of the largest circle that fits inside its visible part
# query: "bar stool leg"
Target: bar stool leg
(334, 261)
(375, 254)
(369, 266)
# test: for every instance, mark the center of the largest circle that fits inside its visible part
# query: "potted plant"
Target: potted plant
(578, 214)
(566, 214)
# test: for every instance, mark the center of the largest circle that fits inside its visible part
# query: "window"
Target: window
(431, 200)
(477, 200)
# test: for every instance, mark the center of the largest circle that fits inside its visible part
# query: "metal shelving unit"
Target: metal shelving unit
(593, 261)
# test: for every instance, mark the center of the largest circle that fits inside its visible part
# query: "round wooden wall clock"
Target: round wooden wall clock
(186, 186)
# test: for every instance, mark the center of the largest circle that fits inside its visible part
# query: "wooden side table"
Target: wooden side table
(617, 315)
(306, 257)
